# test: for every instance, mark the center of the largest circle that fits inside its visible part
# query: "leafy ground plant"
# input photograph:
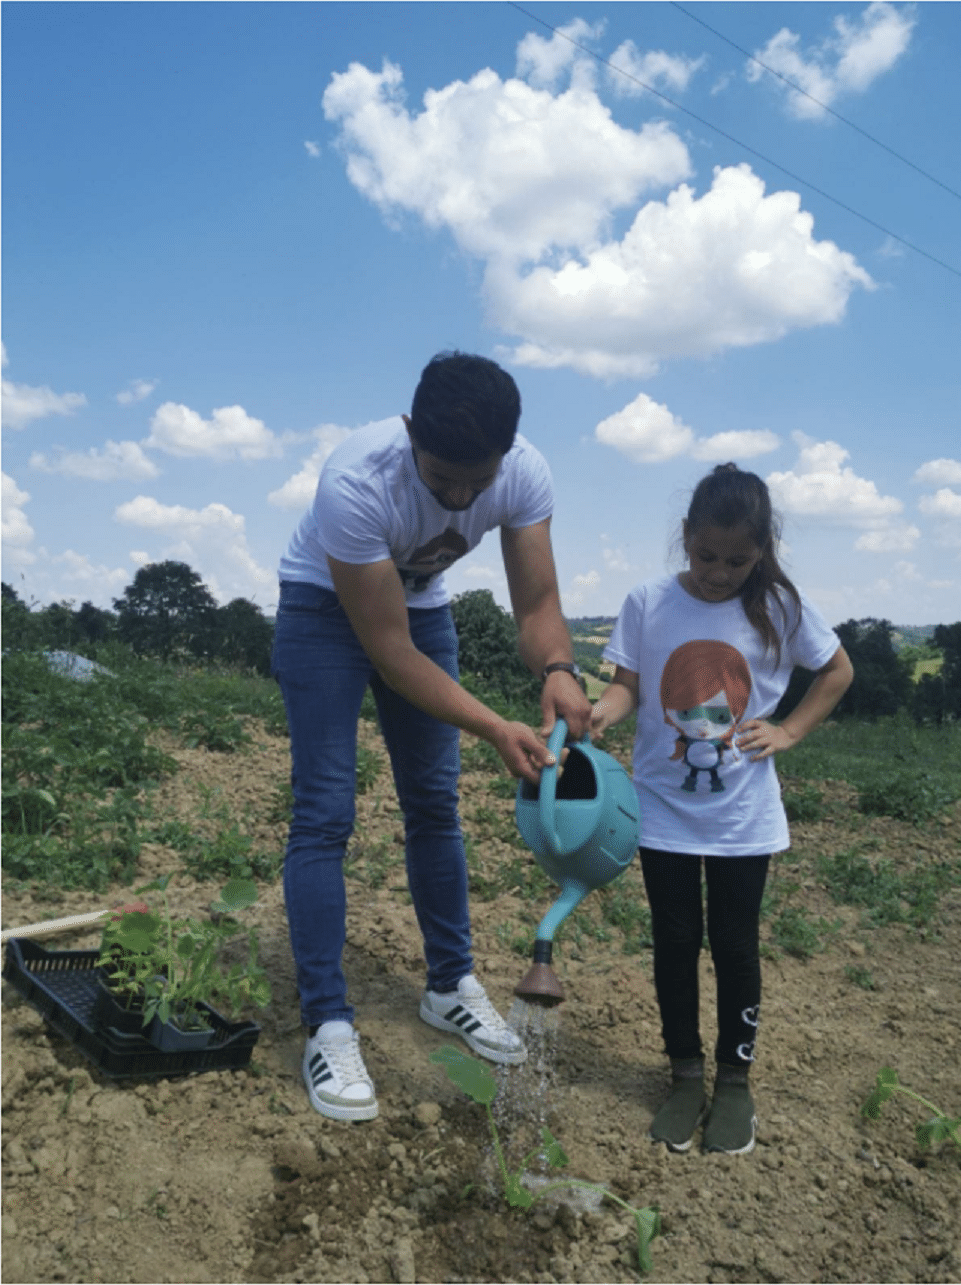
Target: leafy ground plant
(939, 1128)
(474, 1079)
(169, 965)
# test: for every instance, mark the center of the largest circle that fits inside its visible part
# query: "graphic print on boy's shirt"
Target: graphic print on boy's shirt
(705, 688)
(431, 559)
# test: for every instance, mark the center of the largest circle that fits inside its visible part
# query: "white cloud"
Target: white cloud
(298, 491)
(230, 433)
(582, 587)
(822, 487)
(945, 503)
(21, 403)
(138, 390)
(655, 68)
(82, 576)
(115, 461)
(474, 572)
(936, 472)
(542, 62)
(16, 531)
(847, 62)
(530, 182)
(510, 170)
(212, 540)
(691, 277)
(313, 149)
(897, 538)
(648, 433)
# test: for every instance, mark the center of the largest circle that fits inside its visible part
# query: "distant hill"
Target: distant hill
(585, 627)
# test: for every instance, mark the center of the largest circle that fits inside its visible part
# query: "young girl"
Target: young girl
(704, 658)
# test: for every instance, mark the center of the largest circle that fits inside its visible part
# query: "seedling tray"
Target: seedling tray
(62, 986)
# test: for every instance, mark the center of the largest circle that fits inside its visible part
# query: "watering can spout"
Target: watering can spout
(583, 829)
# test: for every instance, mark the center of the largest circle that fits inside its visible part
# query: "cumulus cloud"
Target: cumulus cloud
(691, 277)
(230, 433)
(212, 539)
(582, 587)
(660, 70)
(647, 432)
(17, 533)
(115, 461)
(137, 391)
(511, 171)
(821, 486)
(945, 503)
(530, 181)
(846, 62)
(298, 491)
(84, 578)
(542, 61)
(312, 149)
(21, 403)
(936, 472)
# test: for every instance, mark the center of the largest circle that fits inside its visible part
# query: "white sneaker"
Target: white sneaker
(468, 1012)
(337, 1081)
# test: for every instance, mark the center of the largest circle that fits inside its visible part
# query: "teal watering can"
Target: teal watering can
(582, 825)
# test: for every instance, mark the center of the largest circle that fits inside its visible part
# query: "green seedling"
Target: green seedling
(478, 1082)
(167, 966)
(938, 1129)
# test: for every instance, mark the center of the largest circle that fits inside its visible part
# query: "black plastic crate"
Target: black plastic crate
(62, 986)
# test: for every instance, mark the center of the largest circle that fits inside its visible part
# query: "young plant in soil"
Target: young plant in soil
(165, 967)
(474, 1079)
(938, 1129)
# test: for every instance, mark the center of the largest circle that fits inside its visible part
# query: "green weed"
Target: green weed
(862, 977)
(939, 1128)
(804, 804)
(474, 1079)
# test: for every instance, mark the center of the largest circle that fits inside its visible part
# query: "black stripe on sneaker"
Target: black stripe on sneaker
(319, 1073)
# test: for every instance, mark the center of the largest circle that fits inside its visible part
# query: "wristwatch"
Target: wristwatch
(569, 668)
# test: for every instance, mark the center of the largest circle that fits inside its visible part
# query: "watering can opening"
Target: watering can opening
(577, 779)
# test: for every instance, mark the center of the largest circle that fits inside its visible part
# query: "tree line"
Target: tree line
(168, 611)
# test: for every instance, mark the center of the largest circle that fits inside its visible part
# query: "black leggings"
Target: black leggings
(734, 889)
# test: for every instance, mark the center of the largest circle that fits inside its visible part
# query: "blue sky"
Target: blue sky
(234, 233)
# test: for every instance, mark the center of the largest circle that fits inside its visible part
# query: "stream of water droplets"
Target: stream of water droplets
(524, 1093)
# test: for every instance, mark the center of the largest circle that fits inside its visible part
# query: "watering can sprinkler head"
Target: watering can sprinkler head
(540, 984)
(583, 830)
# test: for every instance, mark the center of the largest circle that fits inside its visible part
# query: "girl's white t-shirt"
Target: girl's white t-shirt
(371, 505)
(703, 671)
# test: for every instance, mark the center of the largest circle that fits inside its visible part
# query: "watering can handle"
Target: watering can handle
(548, 788)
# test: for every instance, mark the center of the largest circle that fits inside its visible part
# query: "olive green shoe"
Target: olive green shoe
(731, 1124)
(678, 1118)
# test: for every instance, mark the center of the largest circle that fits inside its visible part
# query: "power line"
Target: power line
(736, 141)
(798, 90)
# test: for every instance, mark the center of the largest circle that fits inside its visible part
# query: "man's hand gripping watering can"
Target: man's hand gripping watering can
(582, 824)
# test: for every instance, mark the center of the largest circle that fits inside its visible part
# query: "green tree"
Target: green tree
(93, 623)
(882, 680)
(168, 608)
(243, 635)
(487, 646)
(937, 697)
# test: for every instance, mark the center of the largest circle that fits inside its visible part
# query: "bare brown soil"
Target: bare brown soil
(231, 1177)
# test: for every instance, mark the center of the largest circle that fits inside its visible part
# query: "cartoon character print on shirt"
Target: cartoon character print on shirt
(431, 559)
(705, 689)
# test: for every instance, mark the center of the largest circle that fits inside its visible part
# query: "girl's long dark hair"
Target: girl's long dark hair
(726, 498)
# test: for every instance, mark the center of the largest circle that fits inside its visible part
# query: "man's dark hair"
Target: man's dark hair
(464, 409)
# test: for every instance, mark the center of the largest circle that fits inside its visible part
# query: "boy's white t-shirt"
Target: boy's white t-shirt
(703, 671)
(371, 505)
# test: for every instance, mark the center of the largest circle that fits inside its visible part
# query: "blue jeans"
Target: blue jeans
(323, 672)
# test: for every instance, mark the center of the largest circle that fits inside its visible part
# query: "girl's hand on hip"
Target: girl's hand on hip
(760, 739)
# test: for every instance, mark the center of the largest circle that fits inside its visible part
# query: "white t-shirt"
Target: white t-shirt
(371, 505)
(703, 671)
